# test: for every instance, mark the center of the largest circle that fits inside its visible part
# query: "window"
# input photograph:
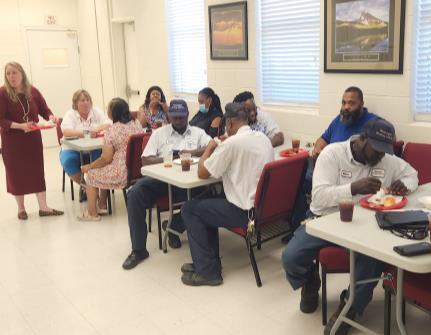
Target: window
(422, 61)
(187, 55)
(289, 51)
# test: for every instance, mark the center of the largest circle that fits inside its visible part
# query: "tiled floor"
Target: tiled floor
(61, 276)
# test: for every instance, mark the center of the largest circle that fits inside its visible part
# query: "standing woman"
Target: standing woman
(20, 107)
(153, 113)
(210, 113)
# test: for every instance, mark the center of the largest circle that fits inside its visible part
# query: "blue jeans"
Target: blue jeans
(141, 196)
(298, 261)
(202, 219)
(71, 161)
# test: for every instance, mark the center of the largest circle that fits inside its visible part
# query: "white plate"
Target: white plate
(195, 160)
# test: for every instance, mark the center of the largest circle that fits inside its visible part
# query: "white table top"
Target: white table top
(363, 235)
(176, 177)
(84, 144)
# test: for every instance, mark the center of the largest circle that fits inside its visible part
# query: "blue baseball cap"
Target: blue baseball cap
(178, 107)
(381, 135)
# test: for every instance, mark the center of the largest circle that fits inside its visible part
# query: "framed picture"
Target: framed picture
(364, 36)
(228, 31)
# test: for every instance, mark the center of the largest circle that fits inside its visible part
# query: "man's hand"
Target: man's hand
(398, 188)
(367, 185)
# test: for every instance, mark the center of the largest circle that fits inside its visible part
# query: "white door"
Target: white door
(132, 73)
(55, 70)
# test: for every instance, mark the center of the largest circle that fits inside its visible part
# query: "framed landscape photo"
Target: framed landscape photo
(228, 31)
(364, 36)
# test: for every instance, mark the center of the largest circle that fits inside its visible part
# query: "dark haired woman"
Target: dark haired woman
(210, 112)
(152, 114)
(109, 171)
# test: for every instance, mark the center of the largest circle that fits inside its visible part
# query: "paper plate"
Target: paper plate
(364, 203)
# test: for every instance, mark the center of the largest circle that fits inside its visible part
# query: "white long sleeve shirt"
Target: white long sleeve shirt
(336, 170)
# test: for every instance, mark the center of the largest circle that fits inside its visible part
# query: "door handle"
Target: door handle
(130, 91)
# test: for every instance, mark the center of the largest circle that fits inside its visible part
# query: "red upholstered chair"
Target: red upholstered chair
(59, 137)
(274, 201)
(418, 155)
(136, 144)
(417, 291)
(332, 259)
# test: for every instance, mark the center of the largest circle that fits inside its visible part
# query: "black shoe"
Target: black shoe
(188, 267)
(310, 293)
(82, 195)
(134, 259)
(194, 279)
(173, 240)
(344, 327)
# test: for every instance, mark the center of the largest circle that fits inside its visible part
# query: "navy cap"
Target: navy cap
(234, 109)
(178, 107)
(381, 135)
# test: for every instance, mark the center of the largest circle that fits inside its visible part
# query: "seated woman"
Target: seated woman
(210, 112)
(83, 117)
(109, 171)
(153, 113)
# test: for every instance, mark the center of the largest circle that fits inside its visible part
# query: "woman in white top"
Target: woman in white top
(78, 121)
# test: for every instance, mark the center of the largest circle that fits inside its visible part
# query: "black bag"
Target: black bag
(411, 224)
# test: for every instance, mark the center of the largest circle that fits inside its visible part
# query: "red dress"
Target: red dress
(22, 152)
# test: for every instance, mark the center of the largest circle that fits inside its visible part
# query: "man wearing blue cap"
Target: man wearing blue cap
(174, 137)
(361, 165)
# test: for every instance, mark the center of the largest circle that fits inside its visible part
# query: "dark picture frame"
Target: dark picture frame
(364, 36)
(228, 31)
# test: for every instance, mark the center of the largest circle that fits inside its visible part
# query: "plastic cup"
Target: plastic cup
(295, 145)
(346, 210)
(186, 160)
(167, 160)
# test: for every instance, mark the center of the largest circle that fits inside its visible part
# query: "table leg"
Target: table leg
(349, 302)
(399, 301)
(171, 209)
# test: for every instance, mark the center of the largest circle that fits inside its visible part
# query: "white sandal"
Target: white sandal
(85, 217)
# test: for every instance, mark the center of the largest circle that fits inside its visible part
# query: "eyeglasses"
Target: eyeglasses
(411, 233)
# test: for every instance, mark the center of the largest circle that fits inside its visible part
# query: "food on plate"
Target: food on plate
(389, 201)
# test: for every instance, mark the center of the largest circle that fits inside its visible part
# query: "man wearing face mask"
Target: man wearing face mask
(359, 166)
(239, 161)
(176, 136)
(352, 118)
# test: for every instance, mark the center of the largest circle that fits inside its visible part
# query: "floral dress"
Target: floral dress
(159, 117)
(114, 175)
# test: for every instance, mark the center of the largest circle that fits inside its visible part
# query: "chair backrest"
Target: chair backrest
(134, 114)
(398, 148)
(418, 155)
(133, 156)
(145, 140)
(278, 187)
(58, 129)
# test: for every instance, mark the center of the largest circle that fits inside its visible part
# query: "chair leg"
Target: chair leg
(324, 297)
(72, 192)
(125, 196)
(150, 219)
(109, 203)
(387, 317)
(63, 185)
(253, 262)
(159, 228)
(403, 316)
(259, 240)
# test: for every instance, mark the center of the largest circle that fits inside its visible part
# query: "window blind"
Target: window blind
(187, 55)
(422, 58)
(289, 51)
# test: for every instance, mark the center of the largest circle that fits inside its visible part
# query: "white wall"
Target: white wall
(386, 95)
